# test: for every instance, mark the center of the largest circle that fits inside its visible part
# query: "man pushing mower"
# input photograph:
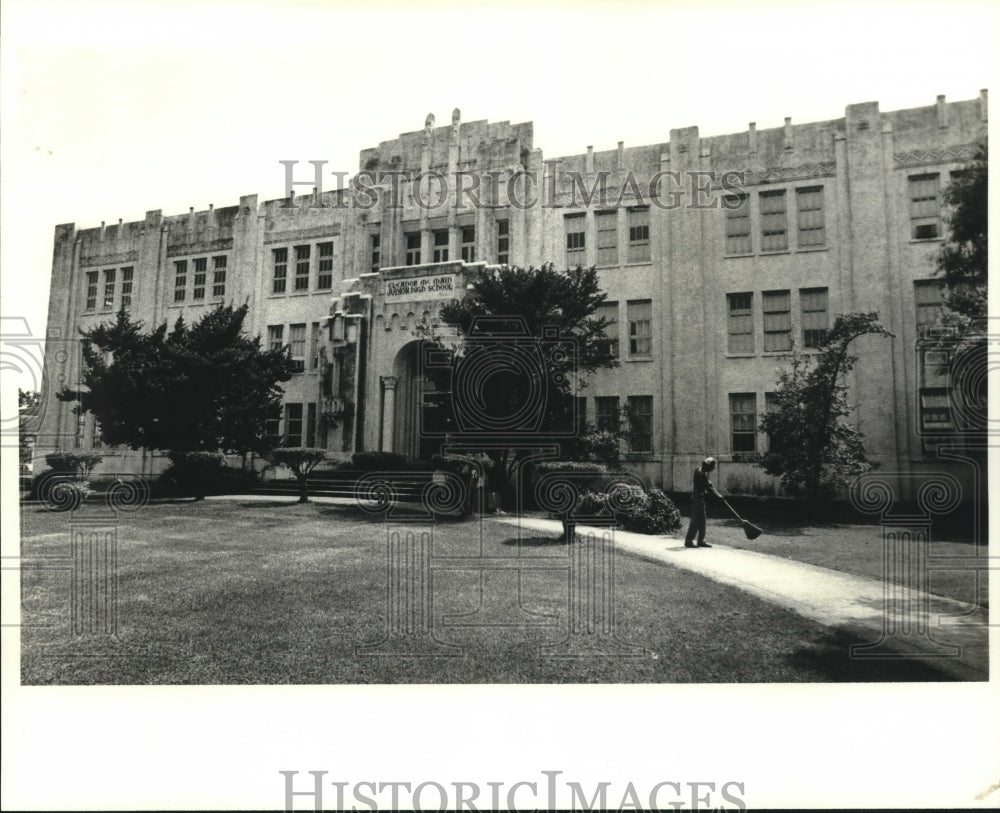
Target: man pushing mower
(702, 487)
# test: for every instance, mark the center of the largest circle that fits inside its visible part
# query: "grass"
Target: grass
(234, 592)
(857, 549)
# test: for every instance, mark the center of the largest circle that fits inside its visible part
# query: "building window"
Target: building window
(297, 346)
(314, 362)
(503, 242)
(812, 221)
(770, 406)
(81, 429)
(272, 429)
(606, 407)
(441, 246)
(581, 416)
(935, 410)
(302, 263)
(607, 238)
(280, 279)
(638, 235)
(740, 322)
(180, 280)
(468, 244)
(293, 424)
(92, 290)
(219, 276)
(325, 279)
(777, 321)
(576, 240)
(773, 221)
(200, 272)
(127, 275)
(109, 289)
(814, 316)
(928, 295)
(275, 337)
(925, 210)
(376, 248)
(743, 421)
(609, 311)
(737, 224)
(640, 418)
(311, 424)
(413, 248)
(640, 327)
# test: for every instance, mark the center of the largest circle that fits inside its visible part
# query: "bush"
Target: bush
(80, 464)
(198, 474)
(60, 490)
(635, 510)
(460, 463)
(548, 466)
(599, 446)
(377, 461)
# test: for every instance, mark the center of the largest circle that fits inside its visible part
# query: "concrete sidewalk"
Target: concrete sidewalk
(909, 623)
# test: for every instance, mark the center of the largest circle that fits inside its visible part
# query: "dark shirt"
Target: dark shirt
(702, 484)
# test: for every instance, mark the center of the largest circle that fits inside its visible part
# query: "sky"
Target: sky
(110, 109)
(113, 109)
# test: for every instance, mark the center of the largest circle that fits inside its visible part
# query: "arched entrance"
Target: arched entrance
(420, 411)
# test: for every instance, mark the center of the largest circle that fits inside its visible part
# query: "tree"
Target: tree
(963, 259)
(812, 448)
(510, 314)
(301, 460)
(28, 403)
(962, 263)
(203, 388)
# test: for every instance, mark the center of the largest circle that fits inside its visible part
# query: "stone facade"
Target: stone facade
(767, 236)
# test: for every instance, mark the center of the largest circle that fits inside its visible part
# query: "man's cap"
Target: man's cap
(709, 461)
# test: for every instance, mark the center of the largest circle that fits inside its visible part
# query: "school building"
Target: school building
(720, 255)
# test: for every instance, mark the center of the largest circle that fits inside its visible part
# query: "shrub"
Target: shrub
(460, 463)
(635, 510)
(198, 474)
(301, 460)
(80, 464)
(599, 446)
(571, 465)
(59, 490)
(377, 461)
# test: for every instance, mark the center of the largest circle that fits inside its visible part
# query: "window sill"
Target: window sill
(738, 256)
(638, 264)
(775, 252)
(741, 355)
(913, 240)
(639, 358)
(811, 249)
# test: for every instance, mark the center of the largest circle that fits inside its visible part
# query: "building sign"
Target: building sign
(441, 287)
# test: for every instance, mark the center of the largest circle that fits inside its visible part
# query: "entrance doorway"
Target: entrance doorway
(422, 412)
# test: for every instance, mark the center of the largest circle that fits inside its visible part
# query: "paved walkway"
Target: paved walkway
(922, 625)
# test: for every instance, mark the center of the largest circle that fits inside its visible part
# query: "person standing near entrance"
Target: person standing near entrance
(702, 487)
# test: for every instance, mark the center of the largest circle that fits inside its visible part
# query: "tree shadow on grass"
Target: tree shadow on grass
(831, 657)
(536, 542)
(403, 512)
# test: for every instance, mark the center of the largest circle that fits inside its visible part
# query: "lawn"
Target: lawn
(245, 592)
(858, 549)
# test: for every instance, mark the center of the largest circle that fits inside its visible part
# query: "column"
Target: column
(388, 411)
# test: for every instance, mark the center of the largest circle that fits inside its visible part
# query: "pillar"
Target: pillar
(388, 411)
